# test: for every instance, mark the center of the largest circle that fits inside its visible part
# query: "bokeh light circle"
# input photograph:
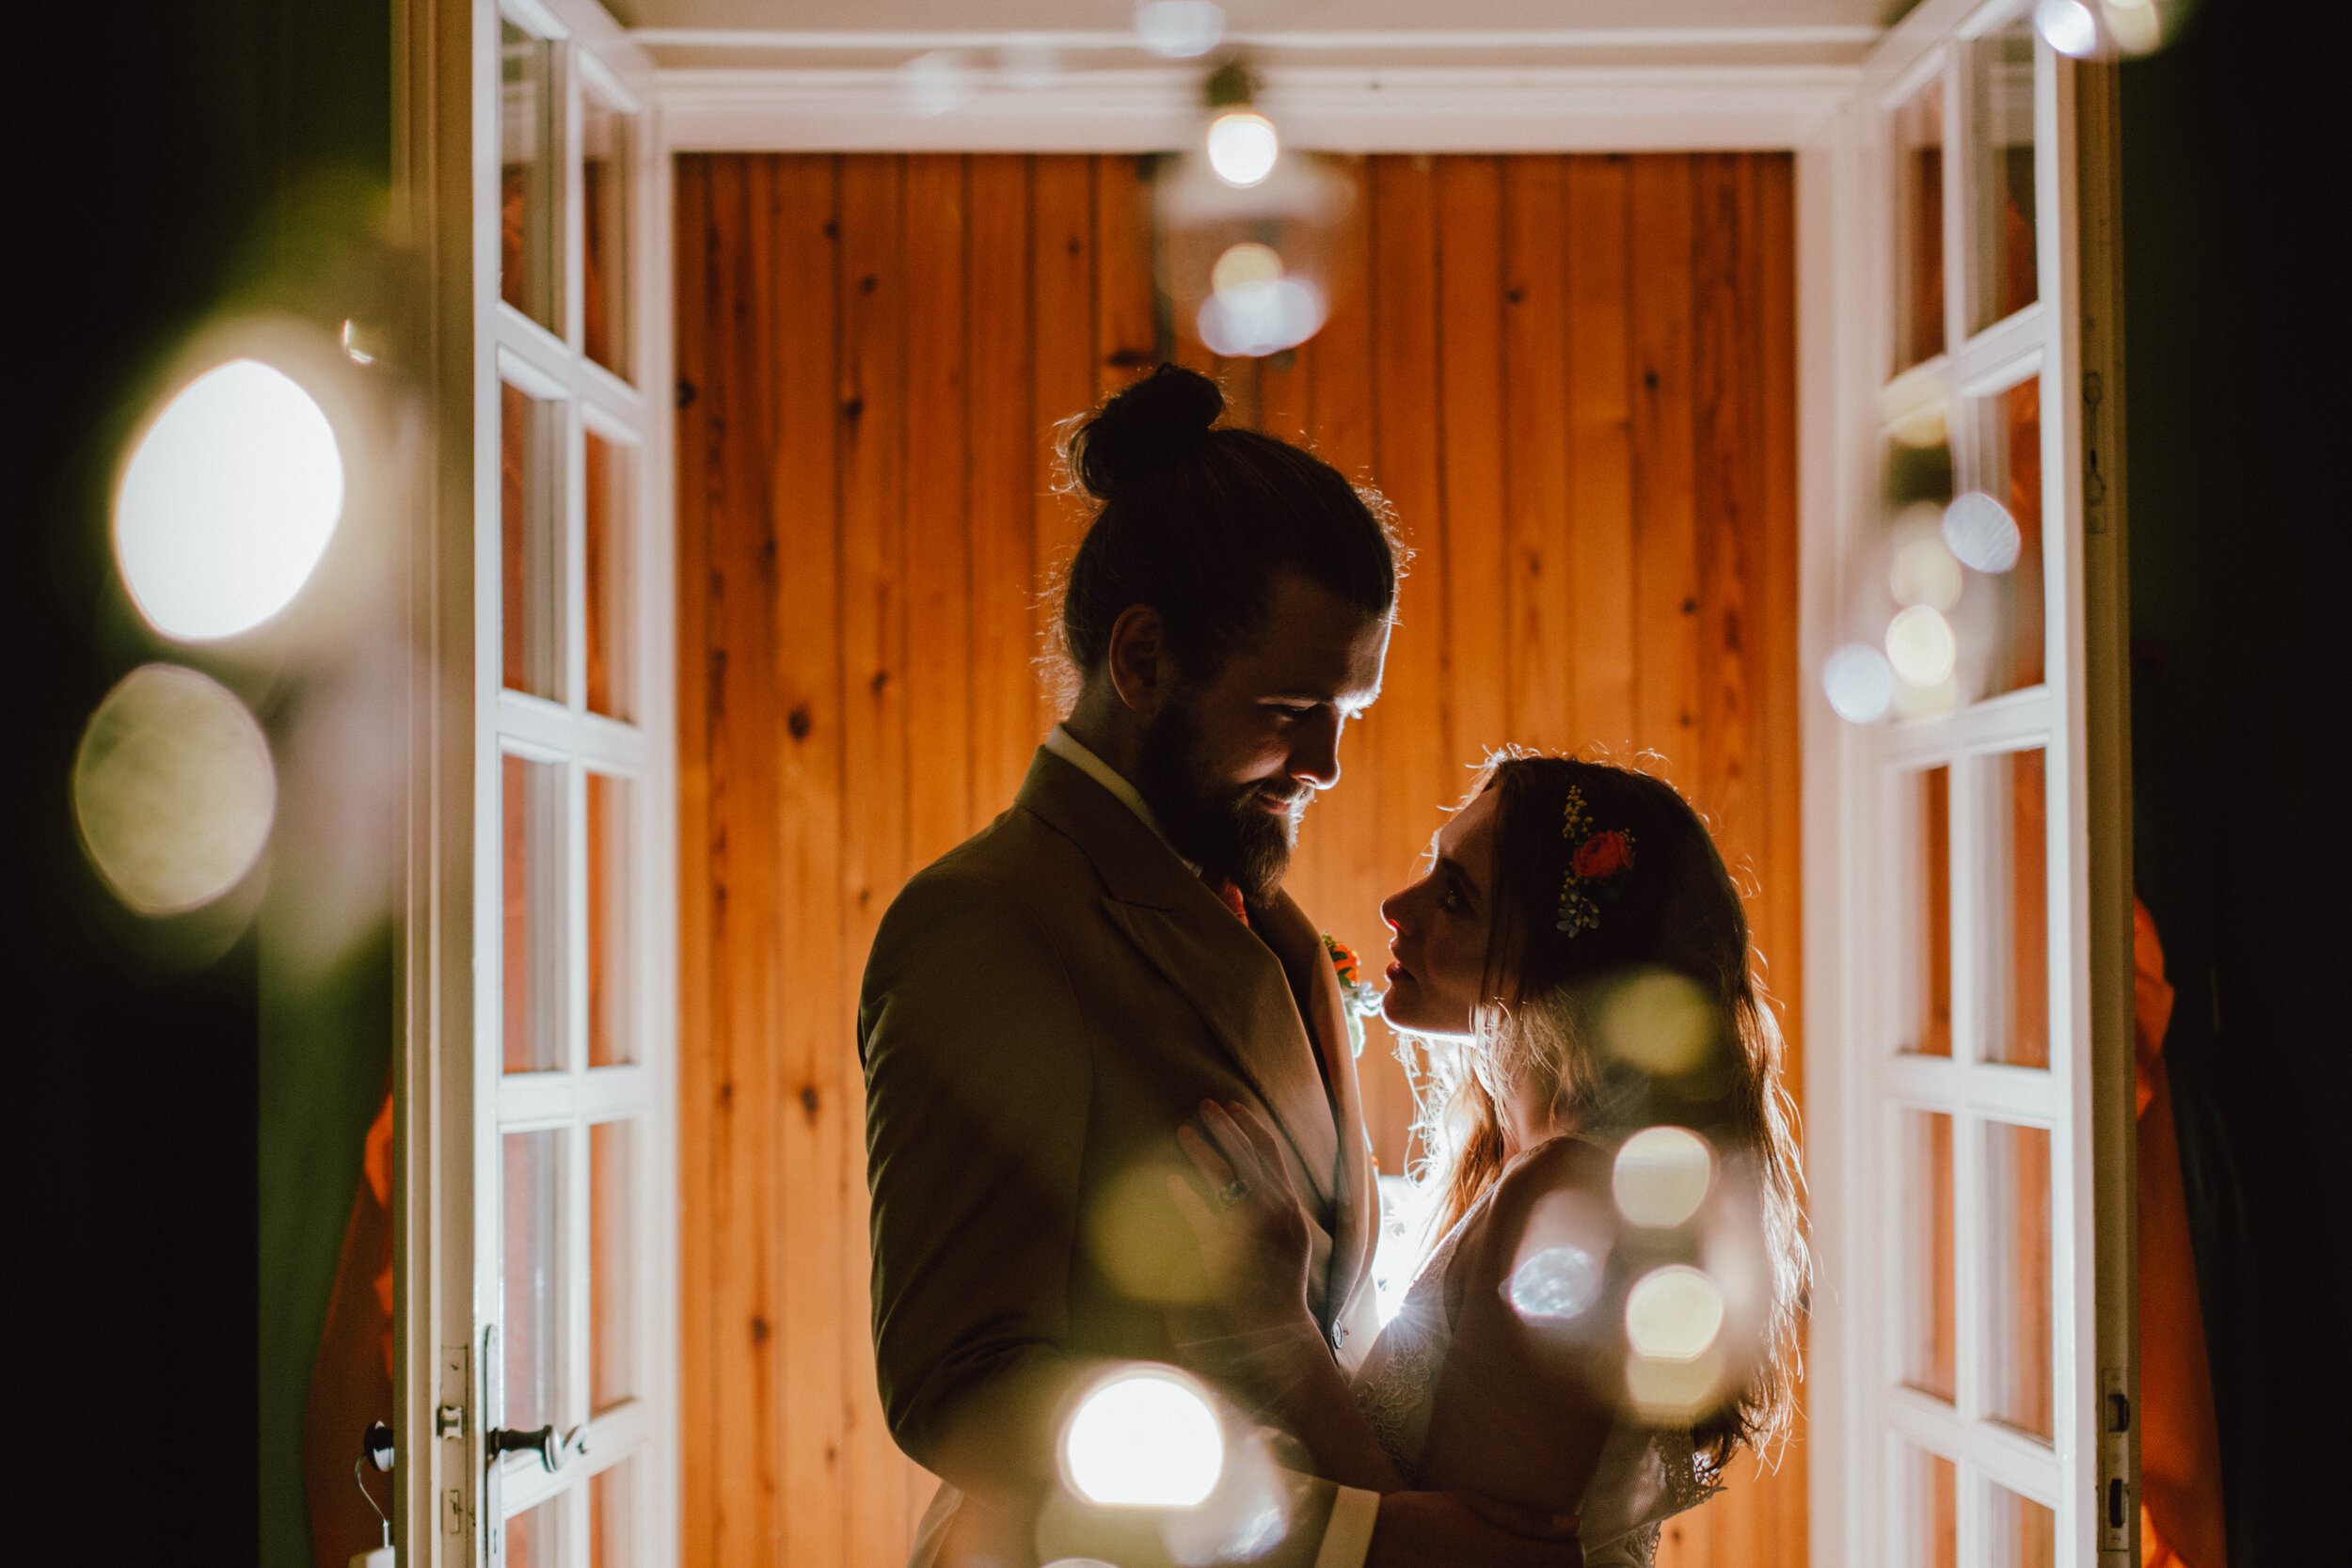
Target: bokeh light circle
(1243, 148)
(1144, 1439)
(2067, 27)
(1925, 571)
(1254, 319)
(1981, 534)
(228, 502)
(1859, 683)
(1244, 263)
(1180, 29)
(1555, 1283)
(1660, 1176)
(173, 789)
(1921, 647)
(1674, 1313)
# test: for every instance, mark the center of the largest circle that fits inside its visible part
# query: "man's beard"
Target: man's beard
(1226, 829)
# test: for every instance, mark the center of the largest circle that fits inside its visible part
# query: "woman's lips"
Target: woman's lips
(1396, 972)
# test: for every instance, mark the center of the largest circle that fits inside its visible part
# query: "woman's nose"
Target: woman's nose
(1393, 911)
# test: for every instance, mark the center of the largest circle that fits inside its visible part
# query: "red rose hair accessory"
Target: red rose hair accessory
(1596, 863)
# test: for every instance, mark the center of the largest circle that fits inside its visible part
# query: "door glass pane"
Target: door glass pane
(535, 1539)
(2017, 826)
(531, 914)
(527, 173)
(611, 1268)
(530, 542)
(1926, 798)
(2002, 64)
(1918, 152)
(1931, 1357)
(1995, 529)
(2024, 1534)
(611, 1040)
(532, 1282)
(1927, 594)
(1932, 1516)
(610, 1516)
(611, 548)
(2017, 1167)
(605, 282)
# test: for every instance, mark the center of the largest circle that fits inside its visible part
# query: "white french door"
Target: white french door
(1979, 1255)
(541, 1094)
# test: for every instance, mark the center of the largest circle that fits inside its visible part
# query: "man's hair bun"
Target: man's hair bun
(1152, 425)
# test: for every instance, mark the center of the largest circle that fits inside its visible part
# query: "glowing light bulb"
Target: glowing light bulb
(1921, 647)
(1144, 1439)
(1243, 148)
(2067, 27)
(173, 789)
(1244, 263)
(228, 502)
(1859, 683)
(1180, 29)
(1557, 1283)
(1674, 1313)
(1979, 530)
(1661, 1174)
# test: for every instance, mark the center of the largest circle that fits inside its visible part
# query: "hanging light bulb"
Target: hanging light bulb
(1247, 229)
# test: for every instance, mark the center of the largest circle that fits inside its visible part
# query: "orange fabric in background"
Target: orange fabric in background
(351, 1382)
(2179, 1449)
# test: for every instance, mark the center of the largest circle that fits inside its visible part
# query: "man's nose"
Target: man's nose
(1315, 756)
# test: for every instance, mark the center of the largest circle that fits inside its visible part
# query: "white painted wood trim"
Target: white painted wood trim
(914, 42)
(1408, 109)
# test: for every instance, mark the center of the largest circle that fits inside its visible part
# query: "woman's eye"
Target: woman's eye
(1452, 903)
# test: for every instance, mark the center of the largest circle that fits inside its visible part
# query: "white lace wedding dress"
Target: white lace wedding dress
(1645, 1475)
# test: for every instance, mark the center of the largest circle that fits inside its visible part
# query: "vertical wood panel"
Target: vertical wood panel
(1600, 450)
(1413, 744)
(1665, 542)
(1061, 263)
(1479, 662)
(801, 337)
(1574, 379)
(1003, 458)
(1544, 653)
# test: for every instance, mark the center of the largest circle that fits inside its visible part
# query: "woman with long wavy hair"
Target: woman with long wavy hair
(1607, 1311)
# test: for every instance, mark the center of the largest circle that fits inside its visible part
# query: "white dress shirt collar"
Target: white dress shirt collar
(1067, 747)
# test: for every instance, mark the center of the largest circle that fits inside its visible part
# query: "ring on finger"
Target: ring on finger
(1231, 1193)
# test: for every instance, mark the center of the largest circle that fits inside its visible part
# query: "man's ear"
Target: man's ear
(1141, 669)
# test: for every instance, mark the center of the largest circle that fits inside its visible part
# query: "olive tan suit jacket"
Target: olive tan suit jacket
(1043, 1007)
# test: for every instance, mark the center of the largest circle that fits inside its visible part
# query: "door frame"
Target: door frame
(1809, 110)
(446, 139)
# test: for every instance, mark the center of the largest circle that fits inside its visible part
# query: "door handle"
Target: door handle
(554, 1451)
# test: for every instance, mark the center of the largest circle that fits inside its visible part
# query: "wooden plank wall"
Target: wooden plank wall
(1573, 377)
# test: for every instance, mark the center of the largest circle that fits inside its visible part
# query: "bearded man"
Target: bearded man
(1047, 1002)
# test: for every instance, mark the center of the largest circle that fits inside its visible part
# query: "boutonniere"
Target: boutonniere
(1363, 999)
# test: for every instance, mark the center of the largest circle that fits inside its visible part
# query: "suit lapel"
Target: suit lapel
(1192, 939)
(1287, 929)
(1240, 991)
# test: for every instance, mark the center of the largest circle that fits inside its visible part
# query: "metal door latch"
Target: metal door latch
(450, 1421)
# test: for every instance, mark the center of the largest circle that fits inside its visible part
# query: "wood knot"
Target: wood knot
(759, 1330)
(1650, 379)
(1690, 607)
(1515, 295)
(867, 284)
(727, 1094)
(882, 678)
(687, 393)
(809, 1101)
(851, 407)
(833, 229)
(798, 724)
